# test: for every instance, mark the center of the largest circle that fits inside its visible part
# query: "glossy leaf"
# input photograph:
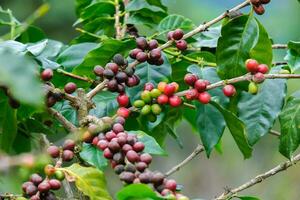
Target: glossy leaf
(137, 192)
(106, 104)
(293, 56)
(90, 181)
(171, 22)
(248, 198)
(208, 38)
(67, 111)
(93, 156)
(289, 120)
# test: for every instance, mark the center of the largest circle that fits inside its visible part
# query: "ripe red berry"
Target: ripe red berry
(181, 45)
(148, 86)
(133, 53)
(54, 184)
(53, 151)
(162, 99)
(171, 185)
(263, 68)
(44, 187)
(191, 94)
(110, 135)
(155, 54)
(175, 101)
(102, 144)
(114, 146)
(67, 155)
(141, 56)
(252, 65)
(259, 9)
(138, 146)
(25, 185)
(204, 97)
(69, 145)
(177, 34)
(117, 128)
(70, 87)
(132, 156)
(107, 154)
(141, 43)
(126, 148)
(123, 112)
(170, 35)
(258, 77)
(113, 67)
(229, 90)
(169, 89)
(123, 100)
(95, 141)
(190, 79)
(127, 177)
(200, 85)
(146, 158)
(141, 166)
(153, 44)
(47, 75)
(98, 70)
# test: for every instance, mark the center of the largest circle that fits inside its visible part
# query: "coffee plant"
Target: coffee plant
(113, 95)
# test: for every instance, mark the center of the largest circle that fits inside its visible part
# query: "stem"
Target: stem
(90, 34)
(197, 150)
(126, 16)
(67, 124)
(279, 168)
(66, 96)
(279, 46)
(189, 105)
(74, 76)
(117, 20)
(275, 133)
(97, 89)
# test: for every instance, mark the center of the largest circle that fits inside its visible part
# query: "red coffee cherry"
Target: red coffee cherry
(47, 75)
(157, 178)
(177, 34)
(70, 87)
(191, 94)
(146, 158)
(138, 146)
(36, 179)
(251, 65)
(162, 99)
(123, 112)
(127, 177)
(31, 190)
(98, 70)
(107, 154)
(152, 44)
(263, 68)
(44, 187)
(50, 101)
(123, 100)
(95, 141)
(258, 77)
(53, 151)
(141, 43)
(175, 101)
(171, 185)
(54, 184)
(67, 155)
(155, 54)
(200, 85)
(117, 128)
(169, 89)
(110, 135)
(190, 79)
(102, 144)
(112, 66)
(149, 86)
(170, 35)
(142, 57)
(112, 85)
(133, 53)
(181, 45)
(132, 156)
(126, 148)
(25, 185)
(260, 10)
(229, 90)
(141, 166)
(114, 146)
(204, 97)
(69, 145)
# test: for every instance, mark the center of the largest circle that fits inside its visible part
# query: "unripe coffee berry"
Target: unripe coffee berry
(59, 175)
(181, 45)
(175, 101)
(47, 75)
(123, 100)
(146, 110)
(204, 97)
(162, 99)
(252, 88)
(161, 86)
(146, 96)
(156, 109)
(155, 93)
(177, 34)
(138, 103)
(49, 170)
(229, 90)
(251, 65)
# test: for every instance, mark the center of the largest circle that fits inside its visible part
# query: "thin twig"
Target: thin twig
(275, 133)
(259, 178)
(67, 124)
(198, 150)
(126, 16)
(66, 96)
(117, 20)
(279, 46)
(97, 89)
(74, 76)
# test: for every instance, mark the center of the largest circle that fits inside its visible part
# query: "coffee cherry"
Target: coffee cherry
(145, 177)
(119, 120)
(67, 155)
(131, 139)
(113, 67)
(13, 103)
(170, 35)
(176, 85)
(50, 196)
(141, 43)
(117, 128)
(49, 170)
(251, 65)
(229, 90)
(44, 187)
(59, 175)
(156, 109)
(129, 71)
(130, 168)
(191, 94)
(159, 61)
(177, 34)
(50, 101)
(133, 53)
(181, 45)
(70, 87)
(114, 146)
(121, 77)
(53, 151)
(138, 103)
(69, 145)
(200, 85)
(132, 156)
(171, 185)
(190, 79)
(36, 179)
(87, 137)
(119, 169)
(54, 184)
(122, 140)
(107, 154)
(263, 68)
(126, 148)
(175, 101)
(112, 85)
(138, 146)
(157, 178)
(255, 2)
(127, 177)
(123, 112)
(98, 70)
(265, 1)
(146, 110)
(25, 185)
(252, 88)
(146, 158)
(258, 77)
(123, 100)
(142, 57)
(152, 44)
(121, 88)
(102, 144)
(204, 97)
(119, 60)
(155, 93)
(146, 96)
(141, 166)
(162, 99)
(169, 89)
(148, 86)
(47, 75)
(259, 9)
(155, 54)
(108, 73)
(31, 190)
(110, 135)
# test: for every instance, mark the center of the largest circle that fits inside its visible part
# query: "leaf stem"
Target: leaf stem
(74, 76)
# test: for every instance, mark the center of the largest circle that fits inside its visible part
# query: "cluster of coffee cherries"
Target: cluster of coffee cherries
(177, 35)
(147, 51)
(39, 188)
(128, 159)
(66, 152)
(118, 73)
(53, 97)
(11, 100)
(258, 6)
(258, 70)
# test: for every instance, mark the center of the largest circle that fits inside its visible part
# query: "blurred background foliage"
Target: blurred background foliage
(203, 177)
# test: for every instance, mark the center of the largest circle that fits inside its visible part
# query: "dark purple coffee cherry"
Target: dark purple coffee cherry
(141, 43)
(159, 61)
(157, 178)
(50, 101)
(70, 87)
(142, 57)
(69, 145)
(47, 75)
(114, 146)
(181, 45)
(153, 44)
(25, 185)
(130, 168)
(113, 67)
(131, 81)
(36, 179)
(121, 88)
(44, 187)
(112, 85)
(131, 139)
(141, 166)
(31, 190)
(121, 77)
(108, 73)
(119, 60)
(98, 70)
(129, 71)
(118, 158)
(54, 184)
(53, 151)
(145, 177)
(155, 54)
(119, 169)
(170, 35)
(133, 53)
(50, 196)
(127, 177)
(177, 34)
(67, 155)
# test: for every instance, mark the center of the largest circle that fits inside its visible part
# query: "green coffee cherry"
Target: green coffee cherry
(151, 117)
(146, 96)
(155, 93)
(146, 110)
(252, 88)
(138, 103)
(59, 175)
(156, 109)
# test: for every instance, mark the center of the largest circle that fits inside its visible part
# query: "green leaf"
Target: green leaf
(260, 111)
(137, 192)
(74, 55)
(293, 56)
(8, 124)
(150, 73)
(80, 5)
(104, 8)
(151, 146)
(248, 198)
(106, 104)
(289, 120)
(18, 73)
(237, 129)
(103, 54)
(67, 111)
(90, 181)
(208, 38)
(242, 37)
(32, 34)
(93, 156)
(171, 22)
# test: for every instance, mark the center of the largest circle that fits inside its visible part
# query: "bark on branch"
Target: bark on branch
(67, 124)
